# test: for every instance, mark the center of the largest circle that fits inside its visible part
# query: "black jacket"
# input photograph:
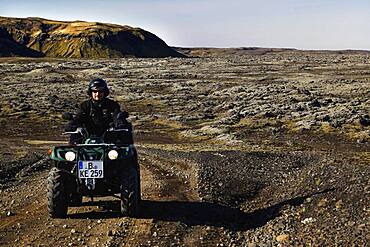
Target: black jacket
(97, 117)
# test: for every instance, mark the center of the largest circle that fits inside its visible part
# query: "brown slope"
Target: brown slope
(77, 39)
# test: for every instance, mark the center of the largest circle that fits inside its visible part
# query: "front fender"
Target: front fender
(92, 152)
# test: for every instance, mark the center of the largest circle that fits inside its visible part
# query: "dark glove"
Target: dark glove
(122, 115)
(71, 127)
(121, 124)
(121, 120)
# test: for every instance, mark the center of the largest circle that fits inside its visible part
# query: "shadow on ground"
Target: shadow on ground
(199, 213)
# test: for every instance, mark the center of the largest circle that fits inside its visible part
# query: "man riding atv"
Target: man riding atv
(100, 160)
(98, 113)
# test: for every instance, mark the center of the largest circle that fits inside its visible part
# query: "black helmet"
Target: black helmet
(98, 84)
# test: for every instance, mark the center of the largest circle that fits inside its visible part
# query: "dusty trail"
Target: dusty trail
(205, 198)
(95, 225)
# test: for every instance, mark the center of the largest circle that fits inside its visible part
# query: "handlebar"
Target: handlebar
(117, 130)
(80, 130)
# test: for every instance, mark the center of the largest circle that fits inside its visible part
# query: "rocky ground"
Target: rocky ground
(254, 150)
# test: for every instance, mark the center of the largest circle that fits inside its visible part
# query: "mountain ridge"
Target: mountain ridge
(38, 37)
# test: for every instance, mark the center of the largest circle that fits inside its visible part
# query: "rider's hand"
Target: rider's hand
(122, 115)
(71, 127)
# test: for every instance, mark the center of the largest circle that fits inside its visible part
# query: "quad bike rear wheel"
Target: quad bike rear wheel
(56, 193)
(129, 192)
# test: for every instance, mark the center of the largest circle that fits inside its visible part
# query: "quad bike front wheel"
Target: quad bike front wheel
(56, 193)
(129, 192)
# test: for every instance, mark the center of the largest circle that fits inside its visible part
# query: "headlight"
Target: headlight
(70, 156)
(112, 154)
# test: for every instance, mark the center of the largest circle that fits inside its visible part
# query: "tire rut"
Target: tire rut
(161, 183)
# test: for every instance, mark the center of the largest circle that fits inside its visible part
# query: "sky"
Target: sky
(301, 24)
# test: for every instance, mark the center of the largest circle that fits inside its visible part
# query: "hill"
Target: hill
(36, 37)
(251, 51)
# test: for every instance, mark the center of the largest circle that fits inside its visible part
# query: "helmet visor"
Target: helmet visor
(97, 89)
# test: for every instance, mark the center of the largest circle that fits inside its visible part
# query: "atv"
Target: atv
(101, 166)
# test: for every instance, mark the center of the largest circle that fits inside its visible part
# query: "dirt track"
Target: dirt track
(192, 199)
(171, 212)
(92, 225)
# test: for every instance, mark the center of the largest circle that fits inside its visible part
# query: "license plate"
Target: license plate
(90, 169)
